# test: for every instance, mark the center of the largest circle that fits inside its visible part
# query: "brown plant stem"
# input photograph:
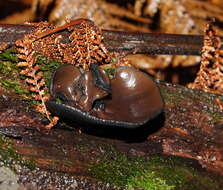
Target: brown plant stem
(124, 42)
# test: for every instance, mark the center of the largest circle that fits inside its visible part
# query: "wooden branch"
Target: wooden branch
(125, 42)
(9, 33)
(152, 43)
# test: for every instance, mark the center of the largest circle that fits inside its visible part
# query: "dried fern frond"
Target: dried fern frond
(210, 75)
(83, 47)
(34, 76)
(86, 46)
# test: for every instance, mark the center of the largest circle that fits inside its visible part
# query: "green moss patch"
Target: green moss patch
(204, 100)
(148, 181)
(9, 55)
(154, 173)
(10, 158)
(9, 73)
(11, 79)
(47, 66)
(14, 86)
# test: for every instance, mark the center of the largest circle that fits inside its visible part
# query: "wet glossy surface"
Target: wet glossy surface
(64, 83)
(130, 99)
(76, 87)
(135, 97)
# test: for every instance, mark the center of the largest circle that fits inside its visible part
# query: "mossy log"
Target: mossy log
(190, 128)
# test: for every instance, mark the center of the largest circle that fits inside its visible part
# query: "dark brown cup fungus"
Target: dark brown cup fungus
(77, 88)
(129, 100)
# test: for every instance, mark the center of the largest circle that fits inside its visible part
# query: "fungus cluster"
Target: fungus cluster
(130, 99)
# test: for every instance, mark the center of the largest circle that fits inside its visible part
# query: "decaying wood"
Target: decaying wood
(125, 42)
(10, 33)
(190, 127)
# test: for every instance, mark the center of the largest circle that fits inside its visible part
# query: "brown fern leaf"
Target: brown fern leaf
(34, 77)
(86, 45)
(83, 47)
(210, 75)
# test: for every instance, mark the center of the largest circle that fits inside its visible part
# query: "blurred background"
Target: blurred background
(159, 16)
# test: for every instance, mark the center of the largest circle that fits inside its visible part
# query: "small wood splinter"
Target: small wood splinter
(63, 27)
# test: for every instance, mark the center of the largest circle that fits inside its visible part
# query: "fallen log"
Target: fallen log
(190, 127)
